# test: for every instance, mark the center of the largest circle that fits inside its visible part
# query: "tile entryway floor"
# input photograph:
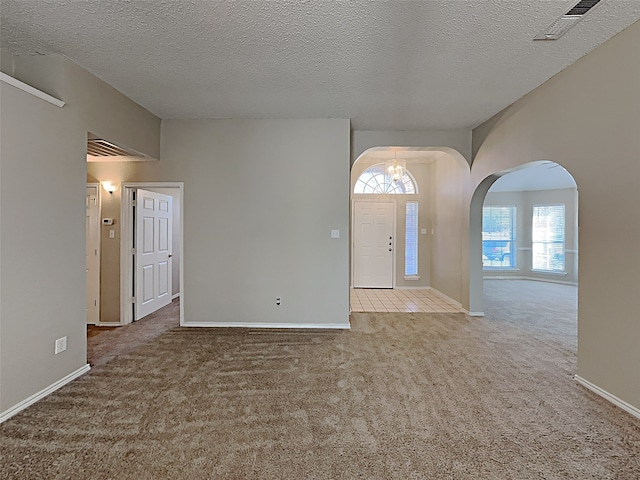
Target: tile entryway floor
(400, 300)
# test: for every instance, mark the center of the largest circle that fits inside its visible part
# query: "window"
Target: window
(547, 237)
(374, 180)
(411, 240)
(498, 237)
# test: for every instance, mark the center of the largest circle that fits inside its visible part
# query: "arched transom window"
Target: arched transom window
(374, 180)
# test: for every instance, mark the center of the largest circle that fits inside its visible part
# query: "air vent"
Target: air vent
(96, 147)
(567, 21)
(583, 7)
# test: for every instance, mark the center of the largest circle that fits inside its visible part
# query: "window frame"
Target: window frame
(562, 242)
(511, 254)
(411, 245)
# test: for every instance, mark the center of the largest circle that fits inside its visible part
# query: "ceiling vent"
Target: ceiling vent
(567, 21)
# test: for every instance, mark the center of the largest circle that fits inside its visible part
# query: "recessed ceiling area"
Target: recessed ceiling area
(544, 176)
(411, 65)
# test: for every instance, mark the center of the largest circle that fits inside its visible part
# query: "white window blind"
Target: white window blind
(498, 237)
(547, 237)
(411, 240)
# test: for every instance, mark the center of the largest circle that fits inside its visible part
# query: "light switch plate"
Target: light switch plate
(335, 233)
(423, 231)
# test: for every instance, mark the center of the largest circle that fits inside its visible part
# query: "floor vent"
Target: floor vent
(567, 21)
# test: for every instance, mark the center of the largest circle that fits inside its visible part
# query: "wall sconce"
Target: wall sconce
(109, 187)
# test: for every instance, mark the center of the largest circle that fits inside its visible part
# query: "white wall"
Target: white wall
(43, 164)
(587, 119)
(261, 197)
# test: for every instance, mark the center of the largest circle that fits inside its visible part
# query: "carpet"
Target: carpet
(406, 396)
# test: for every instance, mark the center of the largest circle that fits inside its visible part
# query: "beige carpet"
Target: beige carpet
(407, 396)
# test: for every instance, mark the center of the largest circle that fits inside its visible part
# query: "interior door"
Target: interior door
(92, 255)
(153, 264)
(373, 244)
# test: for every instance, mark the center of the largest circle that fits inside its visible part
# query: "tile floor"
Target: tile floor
(400, 300)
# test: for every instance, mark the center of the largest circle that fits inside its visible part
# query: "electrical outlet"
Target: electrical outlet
(61, 345)
(278, 300)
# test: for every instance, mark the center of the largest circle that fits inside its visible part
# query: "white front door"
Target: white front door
(373, 244)
(153, 218)
(92, 255)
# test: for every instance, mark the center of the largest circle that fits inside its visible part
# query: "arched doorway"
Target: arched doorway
(417, 223)
(524, 249)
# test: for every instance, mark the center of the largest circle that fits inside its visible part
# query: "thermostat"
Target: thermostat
(107, 221)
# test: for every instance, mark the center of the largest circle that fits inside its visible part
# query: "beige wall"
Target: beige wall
(261, 198)
(43, 164)
(450, 183)
(587, 118)
(524, 202)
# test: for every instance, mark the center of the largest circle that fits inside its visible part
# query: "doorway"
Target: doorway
(132, 295)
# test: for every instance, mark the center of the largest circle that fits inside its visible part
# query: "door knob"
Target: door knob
(170, 255)
(389, 249)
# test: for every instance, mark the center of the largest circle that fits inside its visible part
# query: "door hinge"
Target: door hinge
(133, 299)
(95, 303)
(133, 251)
(95, 252)
(133, 203)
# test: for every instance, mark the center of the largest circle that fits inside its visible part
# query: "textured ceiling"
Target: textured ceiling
(396, 65)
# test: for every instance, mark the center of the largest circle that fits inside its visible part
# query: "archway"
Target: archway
(426, 207)
(530, 227)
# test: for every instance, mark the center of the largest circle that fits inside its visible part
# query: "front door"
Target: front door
(153, 219)
(373, 244)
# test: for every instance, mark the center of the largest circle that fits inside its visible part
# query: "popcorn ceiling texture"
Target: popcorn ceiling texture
(386, 64)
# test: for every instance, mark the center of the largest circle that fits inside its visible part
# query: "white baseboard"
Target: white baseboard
(177, 295)
(108, 324)
(17, 408)
(343, 326)
(607, 396)
(473, 314)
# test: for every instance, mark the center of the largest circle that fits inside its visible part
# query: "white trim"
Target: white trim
(412, 277)
(177, 295)
(325, 326)
(535, 279)
(472, 314)
(98, 188)
(126, 244)
(417, 287)
(109, 324)
(17, 408)
(14, 82)
(608, 396)
(549, 272)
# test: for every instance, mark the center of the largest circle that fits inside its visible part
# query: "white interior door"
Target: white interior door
(92, 255)
(373, 244)
(153, 264)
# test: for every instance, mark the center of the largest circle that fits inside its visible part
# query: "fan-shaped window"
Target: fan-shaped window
(374, 180)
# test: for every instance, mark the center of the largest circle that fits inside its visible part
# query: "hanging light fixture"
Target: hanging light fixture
(395, 168)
